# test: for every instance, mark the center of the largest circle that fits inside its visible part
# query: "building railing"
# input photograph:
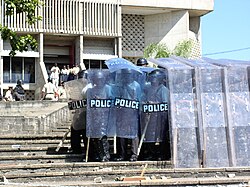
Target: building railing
(89, 17)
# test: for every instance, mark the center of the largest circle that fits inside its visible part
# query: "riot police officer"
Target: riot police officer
(127, 93)
(154, 115)
(99, 100)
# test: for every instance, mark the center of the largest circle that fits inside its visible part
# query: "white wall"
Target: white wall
(167, 28)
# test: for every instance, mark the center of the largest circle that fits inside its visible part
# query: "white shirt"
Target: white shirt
(49, 88)
(65, 71)
(8, 96)
(55, 71)
(62, 93)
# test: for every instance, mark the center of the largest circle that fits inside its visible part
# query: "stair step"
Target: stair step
(156, 173)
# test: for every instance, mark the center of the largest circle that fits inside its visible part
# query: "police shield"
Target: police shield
(211, 113)
(99, 103)
(184, 127)
(154, 111)
(183, 123)
(236, 78)
(237, 92)
(214, 120)
(76, 102)
(239, 114)
(127, 94)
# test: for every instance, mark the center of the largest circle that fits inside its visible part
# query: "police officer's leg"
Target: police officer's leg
(105, 149)
(150, 154)
(97, 149)
(122, 149)
(134, 149)
(85, 139)
(75, 141)
(165, 150)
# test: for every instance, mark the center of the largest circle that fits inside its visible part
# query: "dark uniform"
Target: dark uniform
(18, 92)
(78, 131)
(127, 94)
(154, 114)
(99, 101)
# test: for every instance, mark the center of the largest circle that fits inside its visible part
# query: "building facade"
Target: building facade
(91, 31)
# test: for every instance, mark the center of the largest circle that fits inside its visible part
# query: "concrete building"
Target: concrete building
(92, 31)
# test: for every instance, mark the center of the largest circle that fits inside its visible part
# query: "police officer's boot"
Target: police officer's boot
(105, 146)
(100, 150)
(97, 150)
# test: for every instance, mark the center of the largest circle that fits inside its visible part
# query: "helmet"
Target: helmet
(141, 62)
(157, 75)
(19, 82)
(99, 75)
(126, 71)
(126, 75)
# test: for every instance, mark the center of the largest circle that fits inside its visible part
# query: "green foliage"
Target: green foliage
(156, 51)
(27, 6)
(183, 48)
(160, 50)
(18, 43)
(21, 43)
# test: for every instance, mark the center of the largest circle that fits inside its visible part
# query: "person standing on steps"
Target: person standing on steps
(99, 100)
(54, 76)
(154, 116)
(127, 93)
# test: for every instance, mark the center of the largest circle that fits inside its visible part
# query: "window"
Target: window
(18, 68)
(98, 64)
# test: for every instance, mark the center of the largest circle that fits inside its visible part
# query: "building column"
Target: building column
(119, 27)
(40, 47)
(119, 47)
(82, 65)
(1, 66)
(41, 60)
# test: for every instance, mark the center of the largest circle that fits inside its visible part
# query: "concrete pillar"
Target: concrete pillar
(119, 47)
(41, 48)
(80, 53)
(119, 27)
(1, 66)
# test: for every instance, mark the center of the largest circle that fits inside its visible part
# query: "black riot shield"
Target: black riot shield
(99, 102)
(154, 111)
(127, 93)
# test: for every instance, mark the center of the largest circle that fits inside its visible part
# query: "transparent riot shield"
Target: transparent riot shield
(214, 121)
(127, 94)
(212, 113)
(99, 103)
(183, 118)
(77, 102)
(237, 91)
(154, 111)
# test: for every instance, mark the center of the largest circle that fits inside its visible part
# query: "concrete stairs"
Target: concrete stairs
(31, 160)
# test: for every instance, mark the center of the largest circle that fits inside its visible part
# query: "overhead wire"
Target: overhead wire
(229, 51)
